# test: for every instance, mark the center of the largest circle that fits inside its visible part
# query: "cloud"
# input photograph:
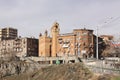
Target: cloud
(34, 16)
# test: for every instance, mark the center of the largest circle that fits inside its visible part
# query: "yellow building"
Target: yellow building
(80, 42)
(44, 45)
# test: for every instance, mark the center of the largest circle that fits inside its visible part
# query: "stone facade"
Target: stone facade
(20, 47)
(55, 32)
(84, 42)
(44, 45)
(66, 45)
(80, 42)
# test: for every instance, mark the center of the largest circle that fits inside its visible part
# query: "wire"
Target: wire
(111, 20)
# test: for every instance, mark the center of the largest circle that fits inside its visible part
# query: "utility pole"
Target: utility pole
(97, 42)
(110, 20)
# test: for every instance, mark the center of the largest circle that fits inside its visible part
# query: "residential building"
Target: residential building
(84, 42)
(20, 47)
(8, 33)
(107, 37)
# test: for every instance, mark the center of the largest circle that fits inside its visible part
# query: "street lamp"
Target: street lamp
(97, 43)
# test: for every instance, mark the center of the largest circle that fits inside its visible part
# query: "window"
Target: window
(78, 34)
(90, 34)
(3, 43)
(8, 44)
(84, 34)
(20, 49)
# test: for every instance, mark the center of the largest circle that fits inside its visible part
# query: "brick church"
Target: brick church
(80, 43)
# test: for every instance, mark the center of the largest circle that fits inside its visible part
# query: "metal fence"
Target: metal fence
(103, 70)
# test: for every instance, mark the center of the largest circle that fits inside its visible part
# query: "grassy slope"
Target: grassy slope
(75, 71)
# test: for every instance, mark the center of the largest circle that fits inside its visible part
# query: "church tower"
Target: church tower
(54, 32)
(44, 45)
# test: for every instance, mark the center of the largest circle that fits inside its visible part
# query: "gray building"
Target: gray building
(8, 33)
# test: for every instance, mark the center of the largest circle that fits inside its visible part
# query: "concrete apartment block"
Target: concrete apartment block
(20, 47)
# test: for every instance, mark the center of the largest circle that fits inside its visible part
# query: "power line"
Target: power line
(110, 21)
(101, 26)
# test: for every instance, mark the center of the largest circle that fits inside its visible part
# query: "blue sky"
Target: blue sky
(31, 17)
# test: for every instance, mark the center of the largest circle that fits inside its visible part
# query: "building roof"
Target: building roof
(106, 36)
(8, 28)
(82, 29)
(67, 34)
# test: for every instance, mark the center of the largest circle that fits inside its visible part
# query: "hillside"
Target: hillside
(75, 71)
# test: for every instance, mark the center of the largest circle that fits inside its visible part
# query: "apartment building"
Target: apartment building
(107, 37)
(8, 33)
(19, 46)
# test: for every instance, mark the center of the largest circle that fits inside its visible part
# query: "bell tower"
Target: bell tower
(54, 32)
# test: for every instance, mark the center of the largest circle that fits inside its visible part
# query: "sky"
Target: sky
(32, 17)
